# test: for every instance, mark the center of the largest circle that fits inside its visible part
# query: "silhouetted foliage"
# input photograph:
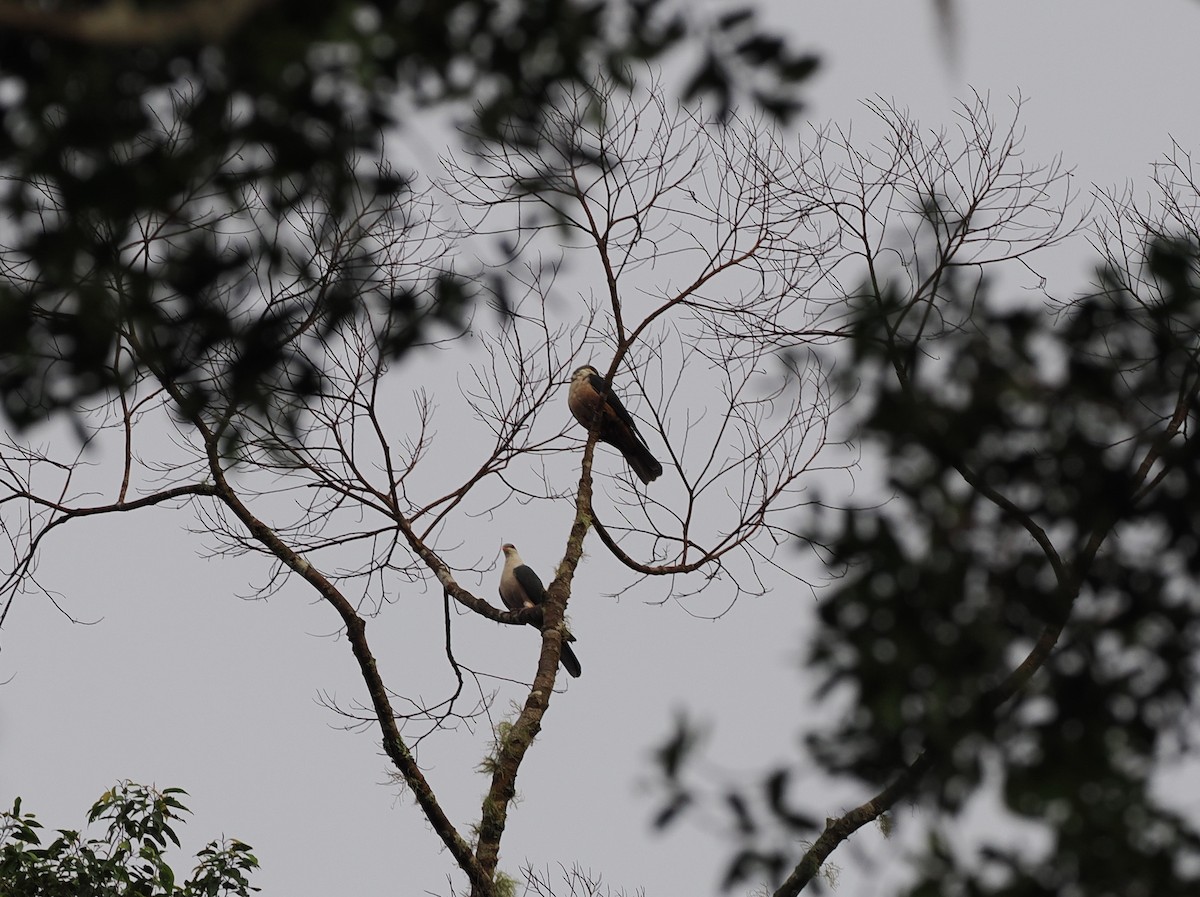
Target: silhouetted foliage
(946, 589)
(1016, 615)
(134, 118)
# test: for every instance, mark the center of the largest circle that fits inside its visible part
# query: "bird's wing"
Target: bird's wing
(596, 382)
(534, 591)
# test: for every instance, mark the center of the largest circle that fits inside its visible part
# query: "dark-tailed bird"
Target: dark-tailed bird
(590, 400)
(520, 587)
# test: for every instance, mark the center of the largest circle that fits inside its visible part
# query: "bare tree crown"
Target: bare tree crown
(731, 286)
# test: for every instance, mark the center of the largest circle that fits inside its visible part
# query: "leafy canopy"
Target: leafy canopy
(129, 857)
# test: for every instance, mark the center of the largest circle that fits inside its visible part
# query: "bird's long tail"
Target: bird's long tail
(644, 464)
(569, 661)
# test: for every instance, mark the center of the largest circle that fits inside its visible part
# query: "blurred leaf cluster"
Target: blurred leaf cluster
(1019, 616)
(1015, 442)
(135, 116)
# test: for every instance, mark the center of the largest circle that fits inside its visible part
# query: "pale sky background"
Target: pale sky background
(181, 683)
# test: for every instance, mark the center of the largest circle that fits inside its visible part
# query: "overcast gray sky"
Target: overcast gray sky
(182, 683)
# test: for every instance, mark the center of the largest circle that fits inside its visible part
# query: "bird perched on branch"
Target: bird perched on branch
(519, 588)
(591, 401)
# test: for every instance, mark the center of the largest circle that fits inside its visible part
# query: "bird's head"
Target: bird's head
(511, 558)
(582, 373)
